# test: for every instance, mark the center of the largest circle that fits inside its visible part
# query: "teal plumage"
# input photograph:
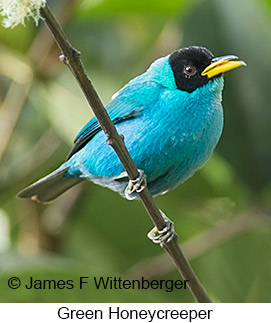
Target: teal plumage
(171, 122)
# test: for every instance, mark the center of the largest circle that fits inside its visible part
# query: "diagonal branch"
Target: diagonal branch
(71, 57)
(202, 243)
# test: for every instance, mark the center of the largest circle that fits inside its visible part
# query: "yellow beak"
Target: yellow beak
(221, 65)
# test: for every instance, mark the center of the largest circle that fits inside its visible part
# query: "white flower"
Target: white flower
(15, 11)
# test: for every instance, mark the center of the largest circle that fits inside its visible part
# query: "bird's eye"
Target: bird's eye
(190, 70)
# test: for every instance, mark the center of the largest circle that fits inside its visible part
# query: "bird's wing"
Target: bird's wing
(125, 105)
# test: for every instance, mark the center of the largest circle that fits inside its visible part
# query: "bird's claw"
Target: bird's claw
(135, 185)
(165, 235)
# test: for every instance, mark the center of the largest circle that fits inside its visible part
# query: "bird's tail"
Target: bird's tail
(49, 187)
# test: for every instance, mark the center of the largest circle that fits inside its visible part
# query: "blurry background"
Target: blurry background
(222, 214)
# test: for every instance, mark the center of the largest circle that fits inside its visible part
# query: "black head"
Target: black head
(187, 65)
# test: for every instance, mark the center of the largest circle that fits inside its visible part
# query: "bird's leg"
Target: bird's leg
(165, 235)
(135, 185)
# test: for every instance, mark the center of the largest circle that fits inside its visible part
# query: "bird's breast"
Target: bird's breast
(186, 129)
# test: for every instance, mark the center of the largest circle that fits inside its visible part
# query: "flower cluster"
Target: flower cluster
(16, 11)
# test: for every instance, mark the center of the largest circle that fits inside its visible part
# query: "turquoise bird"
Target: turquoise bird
(171, 118)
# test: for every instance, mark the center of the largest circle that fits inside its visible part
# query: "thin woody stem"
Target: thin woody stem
(71, 57)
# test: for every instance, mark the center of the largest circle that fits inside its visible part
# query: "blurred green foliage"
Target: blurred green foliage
(222, 214)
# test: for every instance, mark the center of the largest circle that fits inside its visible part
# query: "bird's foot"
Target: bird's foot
(135, 185)
(164, 236)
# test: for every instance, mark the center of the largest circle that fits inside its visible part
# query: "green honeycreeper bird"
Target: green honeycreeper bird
(171, 118)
